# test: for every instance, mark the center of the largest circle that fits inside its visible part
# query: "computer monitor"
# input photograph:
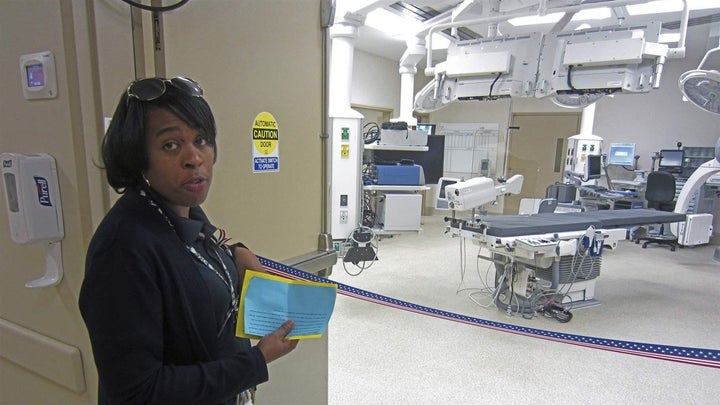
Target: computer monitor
(429, 128)
(593, 167)
(441, 201)
(671, 160)
(621, 154)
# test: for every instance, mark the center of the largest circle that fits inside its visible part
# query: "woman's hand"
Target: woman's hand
(275, 345)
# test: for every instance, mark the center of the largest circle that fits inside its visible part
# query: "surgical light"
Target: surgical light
(567, 100)
(702, 87)
(428, 100)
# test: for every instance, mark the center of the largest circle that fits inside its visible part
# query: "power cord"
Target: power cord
(474, 291)
(371, 132)
(555, 310)
(362, 251)
(161, 9)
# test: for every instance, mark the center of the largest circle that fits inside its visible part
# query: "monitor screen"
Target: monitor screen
(621, 154)
(35, 75)
(671, 158)
(429, 128)
(441, 201)
(431, 160)
(593, 167)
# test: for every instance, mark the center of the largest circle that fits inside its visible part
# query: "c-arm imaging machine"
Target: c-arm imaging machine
(696, 180)
(540, 258)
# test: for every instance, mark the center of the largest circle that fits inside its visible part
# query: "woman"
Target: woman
(161, 289)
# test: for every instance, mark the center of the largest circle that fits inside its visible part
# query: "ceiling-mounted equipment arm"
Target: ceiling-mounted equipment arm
(504, 16)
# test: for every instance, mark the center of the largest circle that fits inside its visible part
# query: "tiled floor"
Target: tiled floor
(384, 355)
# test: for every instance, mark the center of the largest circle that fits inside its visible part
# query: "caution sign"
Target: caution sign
(266, 143)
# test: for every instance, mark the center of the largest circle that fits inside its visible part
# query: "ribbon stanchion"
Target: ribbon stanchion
(688, 355)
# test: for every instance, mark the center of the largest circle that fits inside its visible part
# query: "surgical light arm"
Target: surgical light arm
(479, 191)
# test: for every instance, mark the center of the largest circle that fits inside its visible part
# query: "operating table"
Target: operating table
(552, 253)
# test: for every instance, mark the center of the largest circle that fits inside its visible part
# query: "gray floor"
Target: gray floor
(383, 355)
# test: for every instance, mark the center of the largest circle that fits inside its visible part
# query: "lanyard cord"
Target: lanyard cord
(228, 283)
(234, 298)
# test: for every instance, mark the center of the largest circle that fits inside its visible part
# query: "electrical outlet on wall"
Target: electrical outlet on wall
(343, 216)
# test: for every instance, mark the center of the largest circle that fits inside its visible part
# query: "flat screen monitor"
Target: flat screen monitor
(429, 128)
(621, 154)
(441, 201)
(431, 160)
(593, 167)
(671, 160)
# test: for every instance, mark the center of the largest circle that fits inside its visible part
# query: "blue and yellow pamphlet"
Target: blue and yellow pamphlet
(267, 301)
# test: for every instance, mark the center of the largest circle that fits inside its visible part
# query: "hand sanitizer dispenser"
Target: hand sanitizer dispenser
(34, 209)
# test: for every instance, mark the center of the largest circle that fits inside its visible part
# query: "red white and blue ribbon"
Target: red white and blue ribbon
(688, 355)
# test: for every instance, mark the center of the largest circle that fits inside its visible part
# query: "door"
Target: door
(248, 66)
(537, 151)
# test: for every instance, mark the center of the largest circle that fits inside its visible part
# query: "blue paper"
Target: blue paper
(269, 301)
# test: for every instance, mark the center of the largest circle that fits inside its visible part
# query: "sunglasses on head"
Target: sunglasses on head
(154, 87)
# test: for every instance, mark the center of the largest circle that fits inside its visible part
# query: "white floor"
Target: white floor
(383, 355)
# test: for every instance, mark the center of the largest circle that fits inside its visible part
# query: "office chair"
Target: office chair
(660, 195)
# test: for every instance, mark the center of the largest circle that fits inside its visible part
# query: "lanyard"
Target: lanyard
(228, 282)
(234, 298)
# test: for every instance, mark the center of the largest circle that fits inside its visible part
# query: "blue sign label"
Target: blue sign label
(43, 190)
(266, 164)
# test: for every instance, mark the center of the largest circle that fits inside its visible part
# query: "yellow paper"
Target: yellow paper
(269, 300)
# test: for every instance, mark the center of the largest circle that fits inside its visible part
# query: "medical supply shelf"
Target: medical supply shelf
(395, 206)
(395, 188)
(400, 148)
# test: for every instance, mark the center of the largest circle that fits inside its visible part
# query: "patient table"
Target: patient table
(554, 255)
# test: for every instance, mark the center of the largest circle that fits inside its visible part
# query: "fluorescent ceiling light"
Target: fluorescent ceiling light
(392, 24)
(400, 28)
(536, 19)
(668, 6)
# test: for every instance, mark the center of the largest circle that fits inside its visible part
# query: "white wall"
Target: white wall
(658, 119)
(375, 82)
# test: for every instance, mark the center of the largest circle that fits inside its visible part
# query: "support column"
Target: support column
(346, 138)
(408, 68)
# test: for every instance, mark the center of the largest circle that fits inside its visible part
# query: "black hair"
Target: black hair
(124, 147)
